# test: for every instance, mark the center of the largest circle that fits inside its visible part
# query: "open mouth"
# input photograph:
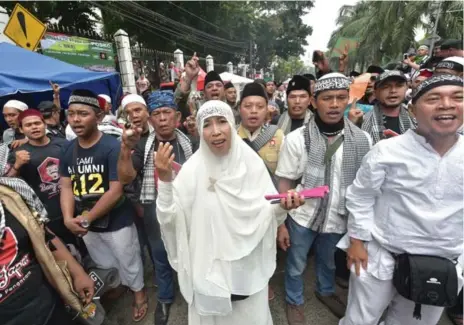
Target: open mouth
(252, 120)
(77, 129)
(445, 118)
(393, 98)
(35, 133)
(218, 143)
(333, 113)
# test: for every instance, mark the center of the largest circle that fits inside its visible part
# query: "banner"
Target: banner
(343, 42)
(87, 53)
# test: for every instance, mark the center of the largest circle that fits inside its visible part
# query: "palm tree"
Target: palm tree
(386, 29)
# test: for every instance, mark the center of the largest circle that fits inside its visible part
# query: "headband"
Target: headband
(161, 98)
(434, 82)
(451, 63)
(85, 97)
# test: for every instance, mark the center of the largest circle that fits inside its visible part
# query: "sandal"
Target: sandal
(141, 310)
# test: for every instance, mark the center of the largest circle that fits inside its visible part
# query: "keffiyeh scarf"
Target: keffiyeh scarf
(147, 193)
(28, 195)
(285, 122)
(355, 147)
(374, 123)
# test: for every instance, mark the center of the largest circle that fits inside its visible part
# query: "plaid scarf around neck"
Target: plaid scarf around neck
(355, 147)
(148, 191)
(285, 122)
(28, 195)
(374, 123)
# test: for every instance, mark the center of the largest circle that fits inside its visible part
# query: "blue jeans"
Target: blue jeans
(301, 239)
(164, 274)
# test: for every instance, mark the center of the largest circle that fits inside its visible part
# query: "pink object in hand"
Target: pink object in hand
(317, 192)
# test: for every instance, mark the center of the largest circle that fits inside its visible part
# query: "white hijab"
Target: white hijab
(224, 239)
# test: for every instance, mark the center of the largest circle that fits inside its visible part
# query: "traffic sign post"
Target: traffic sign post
(24, 28)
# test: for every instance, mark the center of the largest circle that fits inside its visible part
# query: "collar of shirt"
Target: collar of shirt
(252, 137)
(423, 142)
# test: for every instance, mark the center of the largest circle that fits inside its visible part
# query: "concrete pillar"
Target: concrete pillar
(209, 63)
(230, 67)
(125, 61)
(179, 58)
(244, 71)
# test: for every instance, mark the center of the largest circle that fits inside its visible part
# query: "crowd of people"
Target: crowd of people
(213, 187)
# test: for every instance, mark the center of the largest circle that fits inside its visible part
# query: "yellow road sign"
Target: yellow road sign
(24, 28)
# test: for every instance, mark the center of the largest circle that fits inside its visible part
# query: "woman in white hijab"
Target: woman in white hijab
(218, 229)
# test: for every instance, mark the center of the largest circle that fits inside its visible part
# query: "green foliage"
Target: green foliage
(386, 29)
(285, 69)
(76, 14)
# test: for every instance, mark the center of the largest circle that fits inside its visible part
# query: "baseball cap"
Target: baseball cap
(46, 108)
(389, 75)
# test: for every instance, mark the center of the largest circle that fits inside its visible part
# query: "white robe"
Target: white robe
(220, 232)
(405, 199)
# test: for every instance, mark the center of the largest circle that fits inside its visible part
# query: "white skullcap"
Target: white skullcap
(455, 59)
(16, 104)
(105, 97)
(132, 98)
(423, 47)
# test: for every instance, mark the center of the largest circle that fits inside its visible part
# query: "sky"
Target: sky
(322, 18)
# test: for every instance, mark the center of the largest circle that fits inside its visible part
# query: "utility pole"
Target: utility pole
(251, 59)
(434, 35)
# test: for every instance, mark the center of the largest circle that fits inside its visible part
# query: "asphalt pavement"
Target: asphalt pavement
(120, 312)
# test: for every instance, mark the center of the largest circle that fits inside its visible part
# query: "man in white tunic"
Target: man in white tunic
(327, 150)
(407, 198)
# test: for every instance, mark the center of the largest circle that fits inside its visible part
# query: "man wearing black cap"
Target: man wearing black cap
(231, 99)
(214, 87)
(92, 198)
(298, 100)
(389, 113)
(406, 201)
(369, 95)
(327, 150)
(51, 115)
(451, 47)
(265, 139)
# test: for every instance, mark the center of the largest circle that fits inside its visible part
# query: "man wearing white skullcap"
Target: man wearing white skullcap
(11, 111)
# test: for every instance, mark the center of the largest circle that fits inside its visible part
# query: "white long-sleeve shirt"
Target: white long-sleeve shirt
(408, 198)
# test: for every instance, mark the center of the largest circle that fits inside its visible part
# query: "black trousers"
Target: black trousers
(341, 270)
(60, 316)
(458, 308)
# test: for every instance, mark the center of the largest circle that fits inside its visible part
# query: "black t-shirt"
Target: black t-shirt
(25, 295)
(96, 168)
(392, 123)
(296, 124)
(42, 172)
(139, 153)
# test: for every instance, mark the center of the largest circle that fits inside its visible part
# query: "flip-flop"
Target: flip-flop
(140, 306)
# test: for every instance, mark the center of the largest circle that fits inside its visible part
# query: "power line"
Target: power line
(181, 26)
(144, 23)
(208, 22)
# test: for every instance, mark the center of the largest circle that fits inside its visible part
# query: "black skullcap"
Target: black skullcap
(85, 97)
(354, 74)
(254, 89)
(451, 44)
(309, 76)
(375, 69)
(212, 76)
(388, 75)
(298, 83)
(228, 85)
(436, 81)
(46, 108)
(261, 82)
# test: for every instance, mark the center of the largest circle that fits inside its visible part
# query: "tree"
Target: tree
(284, 69)
(224, 29)
(74, 14)
(386, 29)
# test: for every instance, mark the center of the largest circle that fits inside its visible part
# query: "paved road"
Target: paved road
(316, 313)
